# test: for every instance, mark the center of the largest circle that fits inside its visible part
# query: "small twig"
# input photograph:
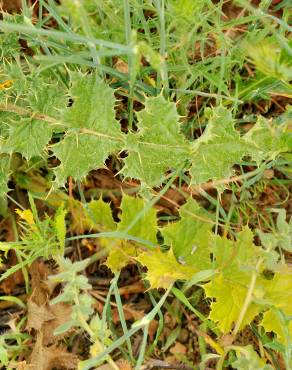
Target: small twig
(159, 364)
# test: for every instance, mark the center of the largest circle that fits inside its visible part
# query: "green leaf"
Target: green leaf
(93, 133)
(248, 359)
(4, 356)
(189, 237)
(158, 146)
(28, 137)
(235, 259)
(146, 226)
(230, 297)
(4, 176)
(163, 268)
(46, 95)
(218, 149)
(100, 214)
(266, 140)
(284, 230)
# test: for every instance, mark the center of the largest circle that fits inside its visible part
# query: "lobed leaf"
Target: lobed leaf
(218, 149)
(158, 146)
(229, 299)
(28, 137)
(93, 132)
(163, 268)
(189, 237)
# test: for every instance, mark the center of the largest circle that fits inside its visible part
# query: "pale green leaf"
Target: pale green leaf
(266, 140)
(189, 237)
(28, 137)
(235, 259)
(163, 268)
(248, 359)
(146, 226)
(284, 231)
(158, 145)
(218, 149)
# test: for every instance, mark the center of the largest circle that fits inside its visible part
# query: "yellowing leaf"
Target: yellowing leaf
(120, 254)
(26, 215)
(235, 258)
(97, 216)
(163, 268)
(60, 226)
(278, 295)
(229, 300)
(272, 323)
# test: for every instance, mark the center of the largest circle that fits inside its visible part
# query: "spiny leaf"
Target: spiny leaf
(28, 137)
(120, 255)
(163, 268)
(46, 95)
(230, 297)
(93, 133)
(146, 225)
(218, 149)
(158, 146)
(101, 215)
(189, 237)
(266, 139)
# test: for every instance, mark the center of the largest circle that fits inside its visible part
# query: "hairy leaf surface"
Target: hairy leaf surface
(267, 140)
(93, 132)
(218, 149)
(28, 137)
(158, 146)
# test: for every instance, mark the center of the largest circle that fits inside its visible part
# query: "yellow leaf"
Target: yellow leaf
(163, 268)
(230, 297)
(26, 215)
(120, 255)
